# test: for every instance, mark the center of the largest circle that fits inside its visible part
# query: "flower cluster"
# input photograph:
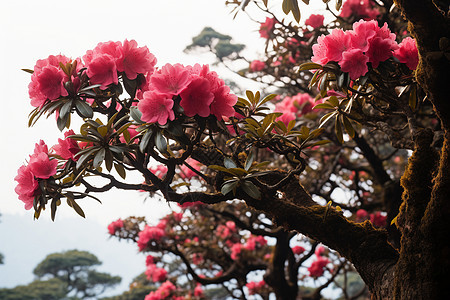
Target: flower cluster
(67, 148)
(107, 60)
(407, 53)
(354, 49)
(378, 219)
(295, 106)
(48, 80)
(315, 21)
(40, 166)
(150, 233)
(297, 250)
(224, 231)
(198, 90)
(360, 8)
(165, 291)
(317, 267)
(254, 288)
(266, 28)
(155, 274)
(253, 243)
(115, 226)
(257, 65)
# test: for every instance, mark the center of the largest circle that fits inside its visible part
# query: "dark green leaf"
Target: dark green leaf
(160, 142)
(229, 163)
(251, 189)
(145, 139)
(136, 114)
(120, 170)
(249, 161)
(229, 186)
(84, 109)
(65, 109)
(99, 157)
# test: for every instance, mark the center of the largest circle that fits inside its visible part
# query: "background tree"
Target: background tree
(364, 80)
(52, 289)
(76, 270)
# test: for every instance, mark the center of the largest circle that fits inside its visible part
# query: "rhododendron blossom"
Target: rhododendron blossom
(196, 98)
(360, 8)
(317, 266)
(47, 81)
(353, 49)
(164, 291)
(257, 65)
(135, 60)
(149, 234)
(67, 148)
(40, 166)
(115, 226)
(255, 287)
(171, 79)
(315, 21)
(407, 53)
(155, 274)
(266, 28)
(27, 187)
(298, 250)
(156, 108)
(378, 219)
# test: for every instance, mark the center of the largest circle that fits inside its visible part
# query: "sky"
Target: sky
(34, 29)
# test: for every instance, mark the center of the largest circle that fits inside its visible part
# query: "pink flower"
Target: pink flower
(171, 79)
(27, 187)
(298, 250)
(198, 291)
(317, 267)
(67, 148)
(149, 260)
(254, 288)
(257, 65)
(354, 62)
(115, 226)
(330, 47)
(155, 274)
(266, 28)
(47, 81)
(149, 234)
(320, 250)
(222, 105)
(187, 173)
(359, 8)
(40, 164)
(378, 219)
(196, 98)
(361, 215)
(159, 170)
(156, 108)
(315, 21)
(102, 70)
(135, 60)
(407, 53)
(235, 251)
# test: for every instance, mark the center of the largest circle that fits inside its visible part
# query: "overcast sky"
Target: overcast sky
(34, 29)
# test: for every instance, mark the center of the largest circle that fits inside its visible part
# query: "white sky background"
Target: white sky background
(34, 29)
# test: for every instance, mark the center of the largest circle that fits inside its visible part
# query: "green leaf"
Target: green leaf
(267, 98)
(324, 106)
(28, 71)
(136, 114)
(120, 170)
(229, 186)
(327, 117)
(108, 160)
(348, 126)
(84, 109)
(160, 142)
(251, 189)
(229, 163)
(218, 168)
(145, 139)
(249, 161)
(65, 109)
(103, 130)
(338, 4)
(338, 131)
(334, 101)
(62, 121)
(74, 205)
(309, 66)
(99, 157)
(250, 97)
